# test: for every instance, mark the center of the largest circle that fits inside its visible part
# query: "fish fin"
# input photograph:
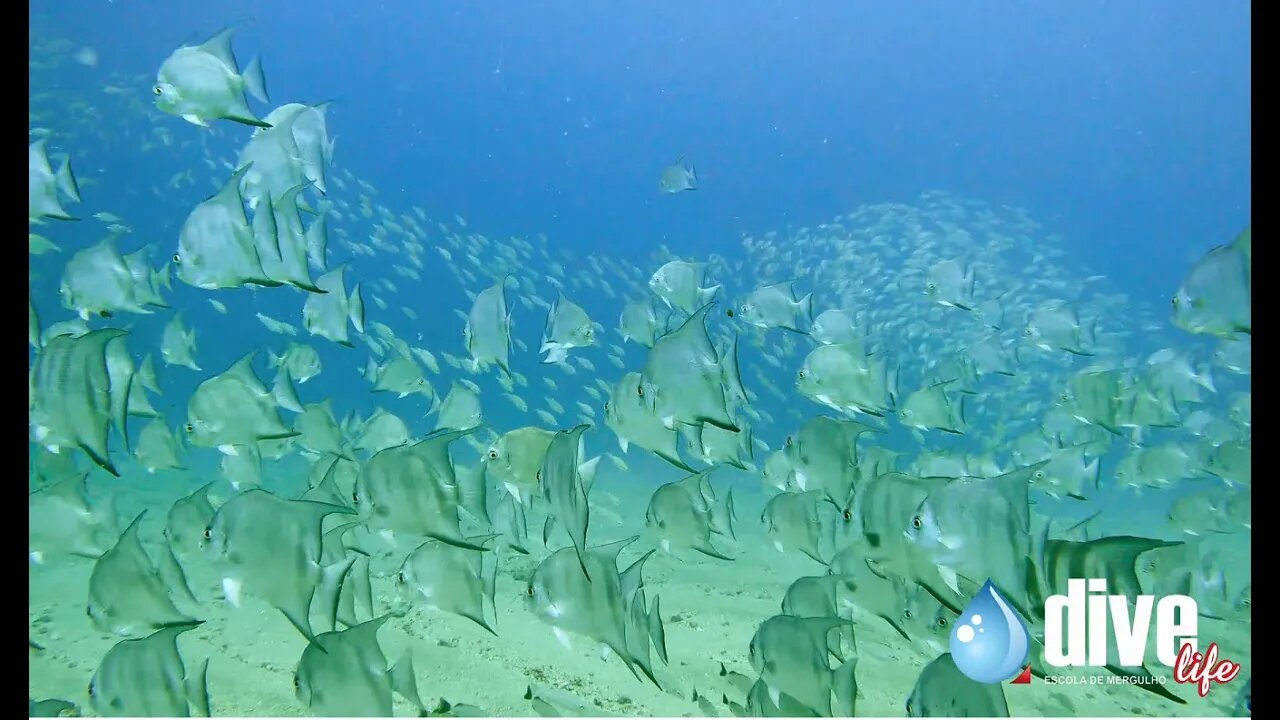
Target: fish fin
(404, 681)
(948, 576)
(255, 81)
(562, 637)
(66, 181)
(231, 591)
(198, 690)
(243, 120)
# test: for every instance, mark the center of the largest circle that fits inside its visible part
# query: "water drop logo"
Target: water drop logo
(989, 642)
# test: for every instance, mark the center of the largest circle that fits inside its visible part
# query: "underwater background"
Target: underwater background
(1002, 197)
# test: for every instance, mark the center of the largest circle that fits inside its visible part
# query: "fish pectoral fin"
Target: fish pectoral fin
(231, 590)
(562, 637)
(949, 577)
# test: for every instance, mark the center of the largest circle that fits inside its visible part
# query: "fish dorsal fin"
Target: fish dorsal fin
(229, 194)
(219, 46)
(242, 370)
(130, 542)
(404, 682)
(365, 635)
(698, 486)
(439, 440)
(288, 201)
(631, 579)
(610, 551)
(696, 322)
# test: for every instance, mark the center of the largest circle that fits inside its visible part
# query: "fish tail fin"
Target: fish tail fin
(355, 309)
(491, 585)
(555, 355)
(587, 474)
(844, 689)
(66, 180)
(1093, 473)
(547, 526)
(255, 81)
(327, 594)
(360, 593)
(1204, 378)
(198, 690)
(404, 681)
(805, 304)
(283, 391)
(706, 548)
(723, 515)
(891, 384)
(173, 576)
(657, 633)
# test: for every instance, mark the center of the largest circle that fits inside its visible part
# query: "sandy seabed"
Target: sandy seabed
(711, 608)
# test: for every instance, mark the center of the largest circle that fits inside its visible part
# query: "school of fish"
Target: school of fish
(920, 396)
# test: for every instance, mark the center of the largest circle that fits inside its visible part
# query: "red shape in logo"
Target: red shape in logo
(1024, 678)
(1203, 669)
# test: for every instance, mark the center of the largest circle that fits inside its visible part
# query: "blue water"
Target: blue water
(1125, 125)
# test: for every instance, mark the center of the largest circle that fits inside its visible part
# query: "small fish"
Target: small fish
(678, 177)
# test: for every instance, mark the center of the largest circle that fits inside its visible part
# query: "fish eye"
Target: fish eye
(788, 441)
(177, 258)
(493, 454)
(104, 313)
(801, 374)
(1027, 332)
(906, 614)
(92, 689)
(400, 577)
(207, 534)
(916, 522)
(909, 708)
(1039, 474)
(640, 390)
(190, 428)
(157, 90)
(847, 515)
(529, 591)
(1174, 300)
(942, 622)
(538, 476)
(355, 498)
